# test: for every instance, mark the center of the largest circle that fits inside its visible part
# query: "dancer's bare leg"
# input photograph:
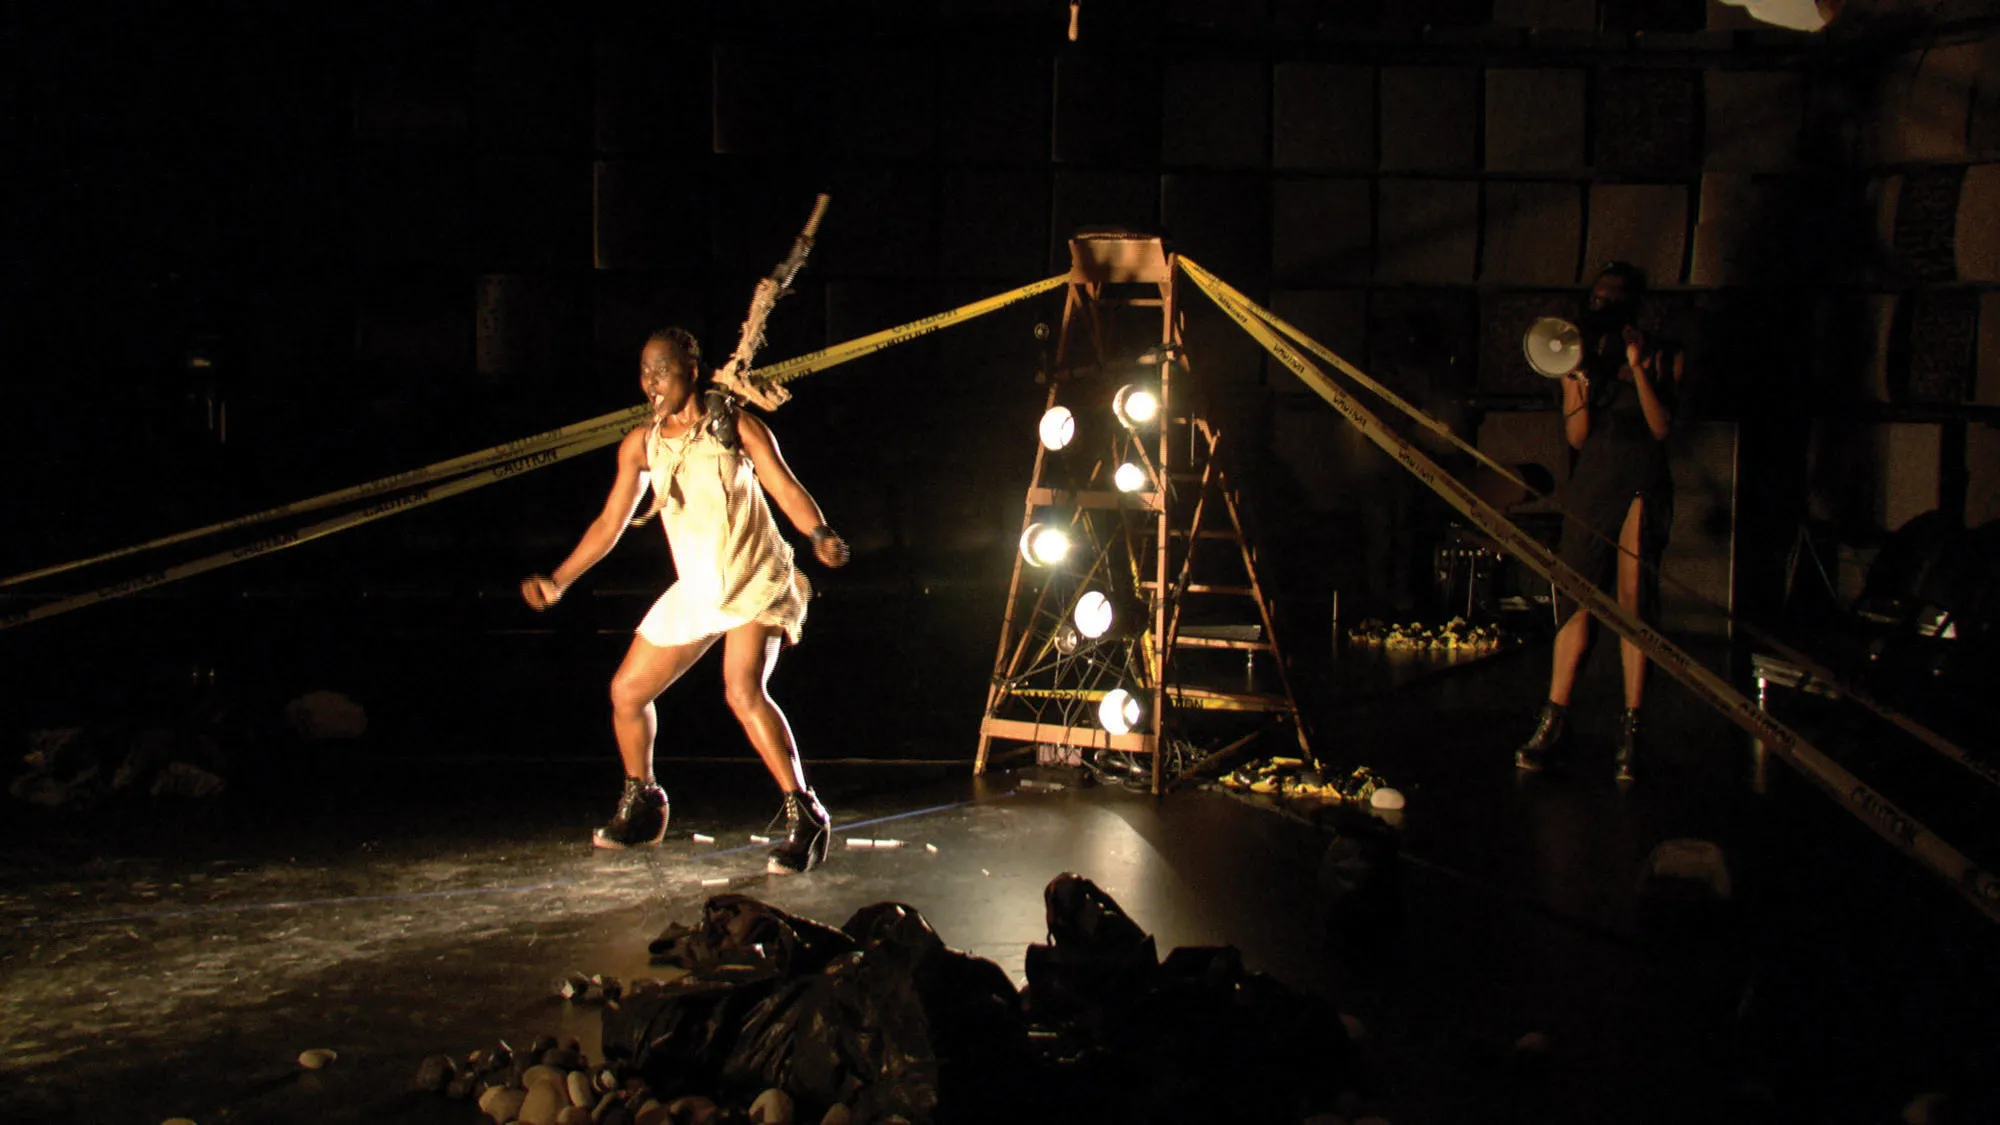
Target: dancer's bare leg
(648, 670)
(1572, 641)
(1634, 661)
(749, 654)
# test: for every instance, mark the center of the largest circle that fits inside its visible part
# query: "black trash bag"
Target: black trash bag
(678, 1035)
(738, 929)
(1096, 954)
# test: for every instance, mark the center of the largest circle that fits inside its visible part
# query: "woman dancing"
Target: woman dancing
(710, 467)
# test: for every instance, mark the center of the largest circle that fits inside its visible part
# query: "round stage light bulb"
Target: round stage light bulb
(1068, 639)
(1119, 712)
(1043, 545)
(1057, 428)
(1094, 614)
(1129, 477)
(1136, 405)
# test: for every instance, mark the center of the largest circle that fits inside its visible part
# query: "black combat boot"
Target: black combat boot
(807, 831)
(1626, 757)
(641, 818)
(1550, 739)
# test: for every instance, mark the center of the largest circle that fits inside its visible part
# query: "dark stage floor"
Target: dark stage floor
(396, 906)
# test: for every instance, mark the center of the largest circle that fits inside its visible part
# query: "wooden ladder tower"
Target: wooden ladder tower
(1145, 546)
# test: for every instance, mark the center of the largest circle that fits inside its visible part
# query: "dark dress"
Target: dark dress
(1620, 460)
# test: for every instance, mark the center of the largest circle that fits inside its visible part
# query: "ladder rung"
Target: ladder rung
(1186, 641)
(1198, 588)
(1227, 700)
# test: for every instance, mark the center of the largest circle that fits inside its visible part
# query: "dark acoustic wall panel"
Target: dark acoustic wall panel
(1644, 224)
(413, 97)
(531, 86)
(1504, 318)
(1107, 111)
(994, 223)
(757, 209)
(1922, 107)
(630, 306)
(1976, 225)
(418, 324)
(1566, 15)
(1423, 342)
(1323, 116)
(772, 101)
(1223, 221)
(1219, 352)
(994, 105)
(1322, 231)
(410, 208)
(1983, 118)
(1986, 382)
(1534, 232)
(1217, 114)
(1535, 120)
(651, 213)
(1944, 330)
(1218, 17)
(1129, 200)
(1427, 231)
(1982, 475)
(1430, 118)
(857, 308)
(530, 326)
(1646, 121)
(1336, 318)
(651, 97)
(1753, 120)
(533, 210)
(1926, 223)
(1728, 230)
(1700, 553)
(882, 223)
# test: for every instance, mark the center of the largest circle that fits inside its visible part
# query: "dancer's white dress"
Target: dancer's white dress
(732, 565)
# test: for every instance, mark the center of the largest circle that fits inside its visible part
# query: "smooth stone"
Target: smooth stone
(435, 1073)
(564, 1058)
(772, 1107)
(1386, 799)
(574, 1115)
(502, 1103)
(694, 1110)
(177, 1121)
(461, 1087)
(838, 1115)
(579, 1089)
(651, 1113)
(318, 1058)
(542, 1075)
(544, 1101)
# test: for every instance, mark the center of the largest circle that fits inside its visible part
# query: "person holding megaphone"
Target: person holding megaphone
(1618, 408)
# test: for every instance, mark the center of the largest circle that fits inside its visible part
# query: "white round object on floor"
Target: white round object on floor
(1386, 799)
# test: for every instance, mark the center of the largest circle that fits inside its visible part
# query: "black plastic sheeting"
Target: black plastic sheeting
(881, 1016)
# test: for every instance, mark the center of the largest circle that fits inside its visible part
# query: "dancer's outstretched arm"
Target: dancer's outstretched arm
(542, 591)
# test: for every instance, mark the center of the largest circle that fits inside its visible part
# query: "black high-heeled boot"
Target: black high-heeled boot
(807, 831)
(641, 818)
(1547, 743)
(1626, 757)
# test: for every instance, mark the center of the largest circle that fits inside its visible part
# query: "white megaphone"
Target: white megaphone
(1554, 347)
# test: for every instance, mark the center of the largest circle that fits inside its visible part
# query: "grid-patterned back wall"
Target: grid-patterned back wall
(1413, 196)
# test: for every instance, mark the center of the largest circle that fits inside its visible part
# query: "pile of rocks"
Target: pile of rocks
(551, 1083)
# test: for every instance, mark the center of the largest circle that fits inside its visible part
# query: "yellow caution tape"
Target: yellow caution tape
(427, 494)
(406, 479)
(1872, 808)
(889, 337)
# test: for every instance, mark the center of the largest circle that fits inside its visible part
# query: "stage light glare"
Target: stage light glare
(1094, 614)
(1043, 545)
(1119, 712)
(1136, 405)
(1129, 477)
(1058, 426)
